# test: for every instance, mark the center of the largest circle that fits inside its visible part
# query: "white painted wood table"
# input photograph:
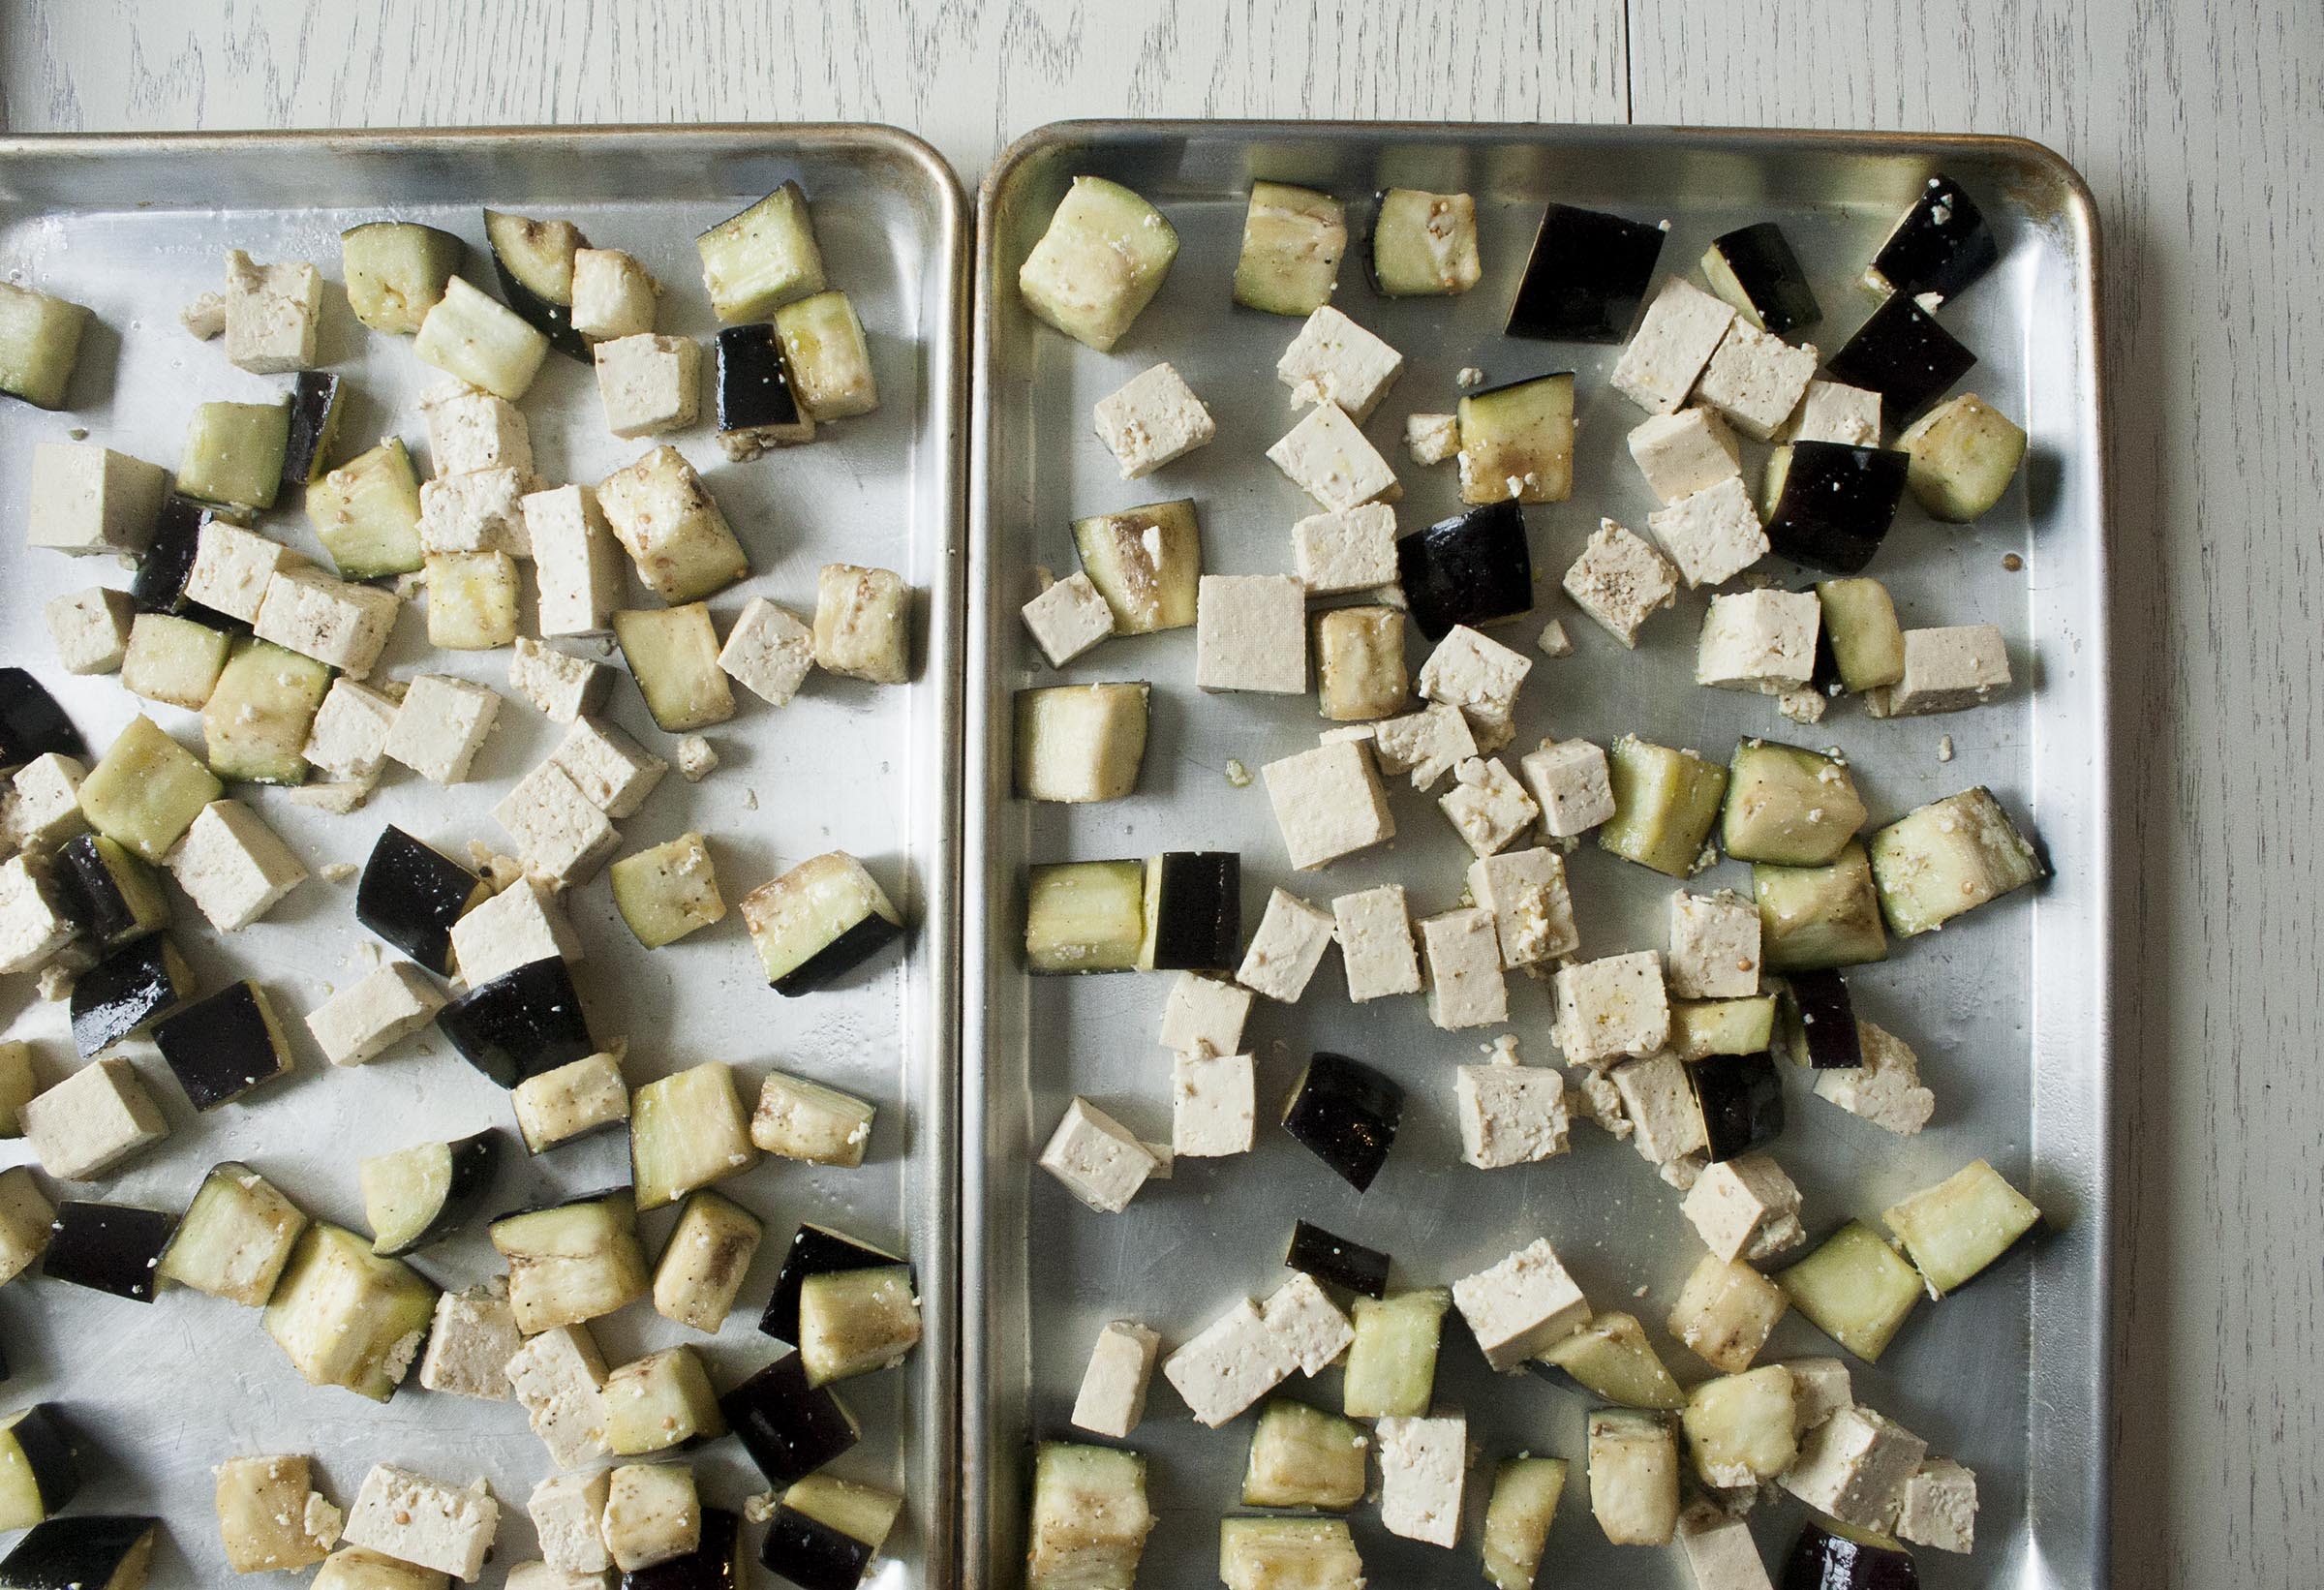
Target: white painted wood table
(2196, 125)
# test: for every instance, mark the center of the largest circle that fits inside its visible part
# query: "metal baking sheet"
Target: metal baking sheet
(134, 228)
(2007, 1009)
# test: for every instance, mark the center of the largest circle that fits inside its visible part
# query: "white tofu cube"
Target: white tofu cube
(649, 383)
(1611, 1009)
(1712, 534)
(470, 431)
(1619, 580)
(349, 737)
(1427, 745)
(1374, 929)
(1250, 633)
(41, 809)
(1682, 453)
(32, 928)
(1327, 457)
(272, 314)
(1553, 640)
(1939, 1507)
(613, 295)
(1112, 1396)
(362, 1022)
(1068, 618)
(1736, 1202)
(558, 1378)
(1820, 1388)
(1231, 1364)
(1327, 804)
(479, 511)
(1714, 946)
(88, 499)
(1885, 1089)
(1287, 948)
(1151, 420)
(1204, 1012)
(1676, 337)
(562, 686)
(1478, 675)
(90, 629)
(416, 1519)
(1760, 640)
(575, 559)
(614, 771)
(232, 567)
(771, 649)
(1213, 1106)
(330, 619)
(470, 1342)
(1351, 551)
(1336, 363)
(1423, 1466)
(1721, 1552)
(1520, 1305)
(1101, 1161)
(1756, 378)
(91, 1121)
(1463, 952)
(1511, 1115)
(560, 833)
(1657, 1096)
(567, 1512)
(1853, 1466)
(1946, 670)
(1525, 892)
(1570, 781)
(516, 927)
(234, 867)
(1431, 439)
(1306, 1324)
(442, 725)
(1833, 411)
(1486, 806)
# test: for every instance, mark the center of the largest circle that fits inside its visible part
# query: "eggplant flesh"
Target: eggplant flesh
(788, 1427)
(844, 951)
(110, 892)
(1901, 353)
(1337, 1261)
(31, 722)
(220, 1047)
(1345, 1114)
(1754, 269)
(1835, 504)
(534, 261)
(108, 1247)
(1941, 245)
(39, 1474)
(1742, 1100)
(314, 427)
(411, 894)
(1586, 276)
(423, 1195)
(1821, 1560)
(712, 1565)
(811, 1554)
(1819, 1021)
(816, 1250)
(1193, 912)
(520, 1023)
(84, 1551)
(124, 992)
(1470, 568)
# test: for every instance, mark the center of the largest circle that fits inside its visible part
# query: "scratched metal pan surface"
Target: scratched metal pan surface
(2008, 1008)
(136, 227)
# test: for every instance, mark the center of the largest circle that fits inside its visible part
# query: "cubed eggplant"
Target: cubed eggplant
(534, 261)
(1345, 1114)
(1586, 276)
(236, 1236)
(31, 722)
(411, 894)
(314, 412)
(1084, 916)
(108, 1247)
(789, 1428)
(1754, 269)
(818, 922)
(572, 1262)
(811, 1554)
(1742, 1099)
(520, 1023)
(110, 892)
(1193, 912)
(125, 991)
(1940, 245)
(757, 408)
(1901, 353)
(85, 1551)
(1336, 1259)
(38, 1471)
(1824, 1560)
(1516, 441)
(814, 1250)
(715, 1564)
(1818, 1021)
(1829, 505)
(1471, 569)
(418, 1196)
(225, 1044)
(852, 1321)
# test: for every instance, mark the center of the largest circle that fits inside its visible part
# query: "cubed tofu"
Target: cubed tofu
(416, 1519)
(1620, 581)
(1486, 806)
(1231, 1363)
(559, 1379)
(41, 809)
(1854, 1466)
(1683, 453)
(770, 651)
(349, 737)
(1353, 550)
(516, 926)
(365, 1019)
(1758, 640)
(613, 296)
(1477, 674)
(1714, 946)
(1659, 1102)
(441, 725)
(1833, 411)
(479, 511)
(1681, 329)
(1288, 945)
(560, 833)
(272, 314)
(92, 1120)
(1511, 1115)
(1712, 534)
(1611, 1009)
(1946, 669)
(1464, 954)
(1112, 1399)
(469, 430)
(87, 498)
(470, 1342)
(1427, 745)
(1533, 914)
(1570, 781)
(1100, 1161)
(330, 619)
(666, 520)
(1745, 1207)
(1068, 618)
(863, 624)
(1374, 930)
(232, 567)
(567, 1512)
(1423, 1465)
(1329, 458)
(1252, 633)
(234, 867)
(90, 629)
(1327, 804)
(1153, 421)
(562, 686)
(1756, 378)
(1204, 1012)
(1938, 1506)
(1334, 362)
(575, 561)
(1213, 1105)
(649, 384)
(614, 771)
(1520, 1305)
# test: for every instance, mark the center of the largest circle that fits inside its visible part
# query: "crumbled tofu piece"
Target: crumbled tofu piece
(1214, 1108)
(1714, 946)
(697, 759)
(1327, 804)
(1478, 675)
(1553, 640)
(1619, 580)
(1686, 453)
(1431, 439)
(1533, 915)
(442, 725)
(1676, 337)
(1287, 948)
(1611, 1009)
(1100, 1161)
(1758, 640)
(362, 1022)
(1464, 954)
(1806, 705)
(1151, 420)
(1374, 929)
(1520, 1305)
(1334, 360)
(1427, 744)
(272, 314)
(562, 835)
(1756, 378)
(1204, 1012)
(479, 511)
(1885, 1089)
(1832, 411)
(1946, 670)
(1230, 1364)
(469, 431)
(1353, 550)
(1252, 633)
(1712, 534)
(1511, 1115)
(1112, 1399)
(650, 384)
(234, 867)
(204, 319)
(1327, 457)
(1486, 806)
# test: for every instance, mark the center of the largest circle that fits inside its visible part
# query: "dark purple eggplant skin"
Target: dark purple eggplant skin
(1836, 504)
(411, 893)
(552, 320)
(220, 1047)
(754, 388)
(31, 722)
(1742, 1099)
(811, 1554)
(1336, 1260)
(1470, 568)
(1820, 1560)
(108, 1247)
(841, 955)
(1345, 1114)
(47, 1445)
(125, 991)
(816, 1250)
(79, 1551)
(789, 1428)
(1901, 353)
(88, 892)
(168, 562)
(520, 1023)
(1941, 245)
(1199, 923)
(1585, 278)
(1817, 1005)
(474, 1158)
(712, 1565)
(314, 396)
(1760, 256)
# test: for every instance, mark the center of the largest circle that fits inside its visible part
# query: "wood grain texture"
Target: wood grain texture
(2195, 124)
